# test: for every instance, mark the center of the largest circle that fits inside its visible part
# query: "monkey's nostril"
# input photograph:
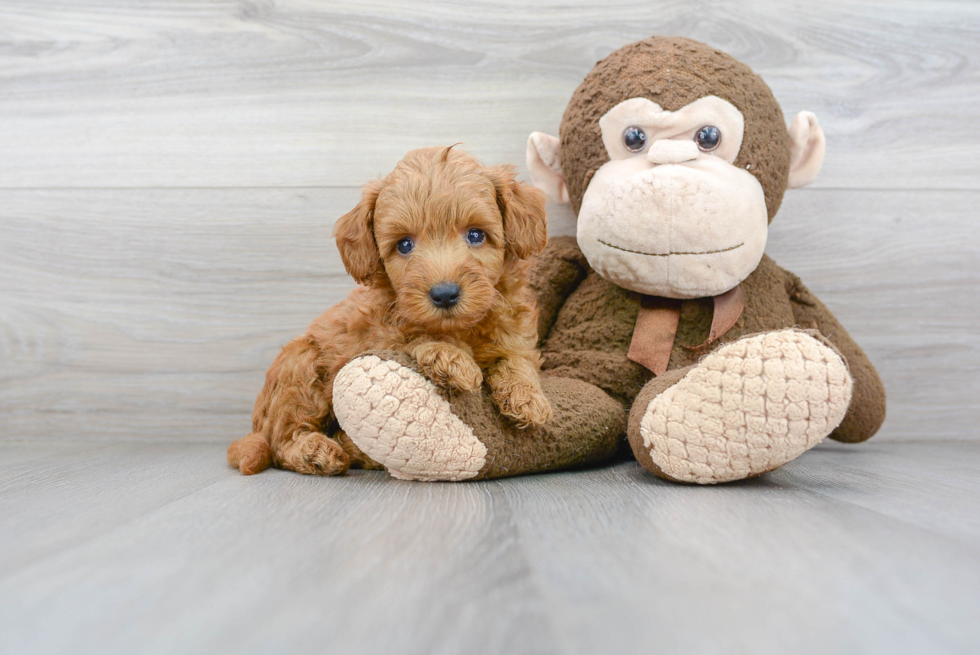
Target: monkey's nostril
(444, 295)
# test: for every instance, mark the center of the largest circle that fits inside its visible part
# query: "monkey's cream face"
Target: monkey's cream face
(670, 215)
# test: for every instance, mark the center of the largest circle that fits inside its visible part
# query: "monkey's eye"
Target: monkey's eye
(708, 138)
(634, 139)
(405, 246)
(475, 236)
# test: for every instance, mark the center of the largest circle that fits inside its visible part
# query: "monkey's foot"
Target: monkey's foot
(400, 420)
(745, 409)
(404, 422)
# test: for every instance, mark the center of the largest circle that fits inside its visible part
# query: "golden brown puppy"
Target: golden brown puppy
(440, 248)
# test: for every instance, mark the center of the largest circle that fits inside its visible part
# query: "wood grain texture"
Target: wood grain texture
(304, 93)
(154, 313)
(158, 548)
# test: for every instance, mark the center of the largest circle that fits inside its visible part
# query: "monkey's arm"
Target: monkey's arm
(554, 275)
(867, 410)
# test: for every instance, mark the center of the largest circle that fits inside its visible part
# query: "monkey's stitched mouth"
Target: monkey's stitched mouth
(667, 254)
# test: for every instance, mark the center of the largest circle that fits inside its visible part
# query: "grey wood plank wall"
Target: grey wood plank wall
(170, 172)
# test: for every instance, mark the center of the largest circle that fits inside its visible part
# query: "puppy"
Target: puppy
(439, 247)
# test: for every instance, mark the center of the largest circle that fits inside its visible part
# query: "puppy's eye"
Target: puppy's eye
(708, 138)
(634, 139)
(475, 237)
(405, 246)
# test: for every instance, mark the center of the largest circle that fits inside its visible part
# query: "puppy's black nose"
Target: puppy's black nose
(444, 295)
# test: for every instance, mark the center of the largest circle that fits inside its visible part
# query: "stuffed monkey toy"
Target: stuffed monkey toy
(664, 325)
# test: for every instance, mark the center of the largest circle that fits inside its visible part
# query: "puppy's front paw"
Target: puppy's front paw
(320, 455)
(524, 403)
(448, 366)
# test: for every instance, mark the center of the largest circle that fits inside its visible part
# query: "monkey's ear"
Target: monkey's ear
(355, 237)
(806, 149)
(544, 163)
(523, 210)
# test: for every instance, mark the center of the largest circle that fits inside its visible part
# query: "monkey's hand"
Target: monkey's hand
(448, 366)
(517, 392)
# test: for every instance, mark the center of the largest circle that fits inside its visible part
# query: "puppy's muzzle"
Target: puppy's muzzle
(444, 295)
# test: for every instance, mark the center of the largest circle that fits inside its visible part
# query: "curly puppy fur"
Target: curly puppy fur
(435, 196)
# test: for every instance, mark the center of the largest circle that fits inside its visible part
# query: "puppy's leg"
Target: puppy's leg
(291, 410)
(447, 365)
(516, 390)
(313, 453)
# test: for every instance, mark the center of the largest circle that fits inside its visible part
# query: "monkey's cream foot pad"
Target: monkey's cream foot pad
(747, 408)
(400, 420)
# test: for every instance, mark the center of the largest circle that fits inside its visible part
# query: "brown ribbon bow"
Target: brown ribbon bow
(656, 327)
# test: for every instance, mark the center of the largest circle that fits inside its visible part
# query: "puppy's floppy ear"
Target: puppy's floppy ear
(355, 237)
(523, 209)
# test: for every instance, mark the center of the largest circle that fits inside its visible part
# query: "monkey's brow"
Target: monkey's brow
(665, 254)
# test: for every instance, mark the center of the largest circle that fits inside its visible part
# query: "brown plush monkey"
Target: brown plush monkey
(665, 321)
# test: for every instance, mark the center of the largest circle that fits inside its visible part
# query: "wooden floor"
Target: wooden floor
(156, 547)
(169, 175)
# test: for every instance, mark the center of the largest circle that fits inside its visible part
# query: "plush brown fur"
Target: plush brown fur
(588, 324)
(434, 195)
(673, 72)
(589, 321)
